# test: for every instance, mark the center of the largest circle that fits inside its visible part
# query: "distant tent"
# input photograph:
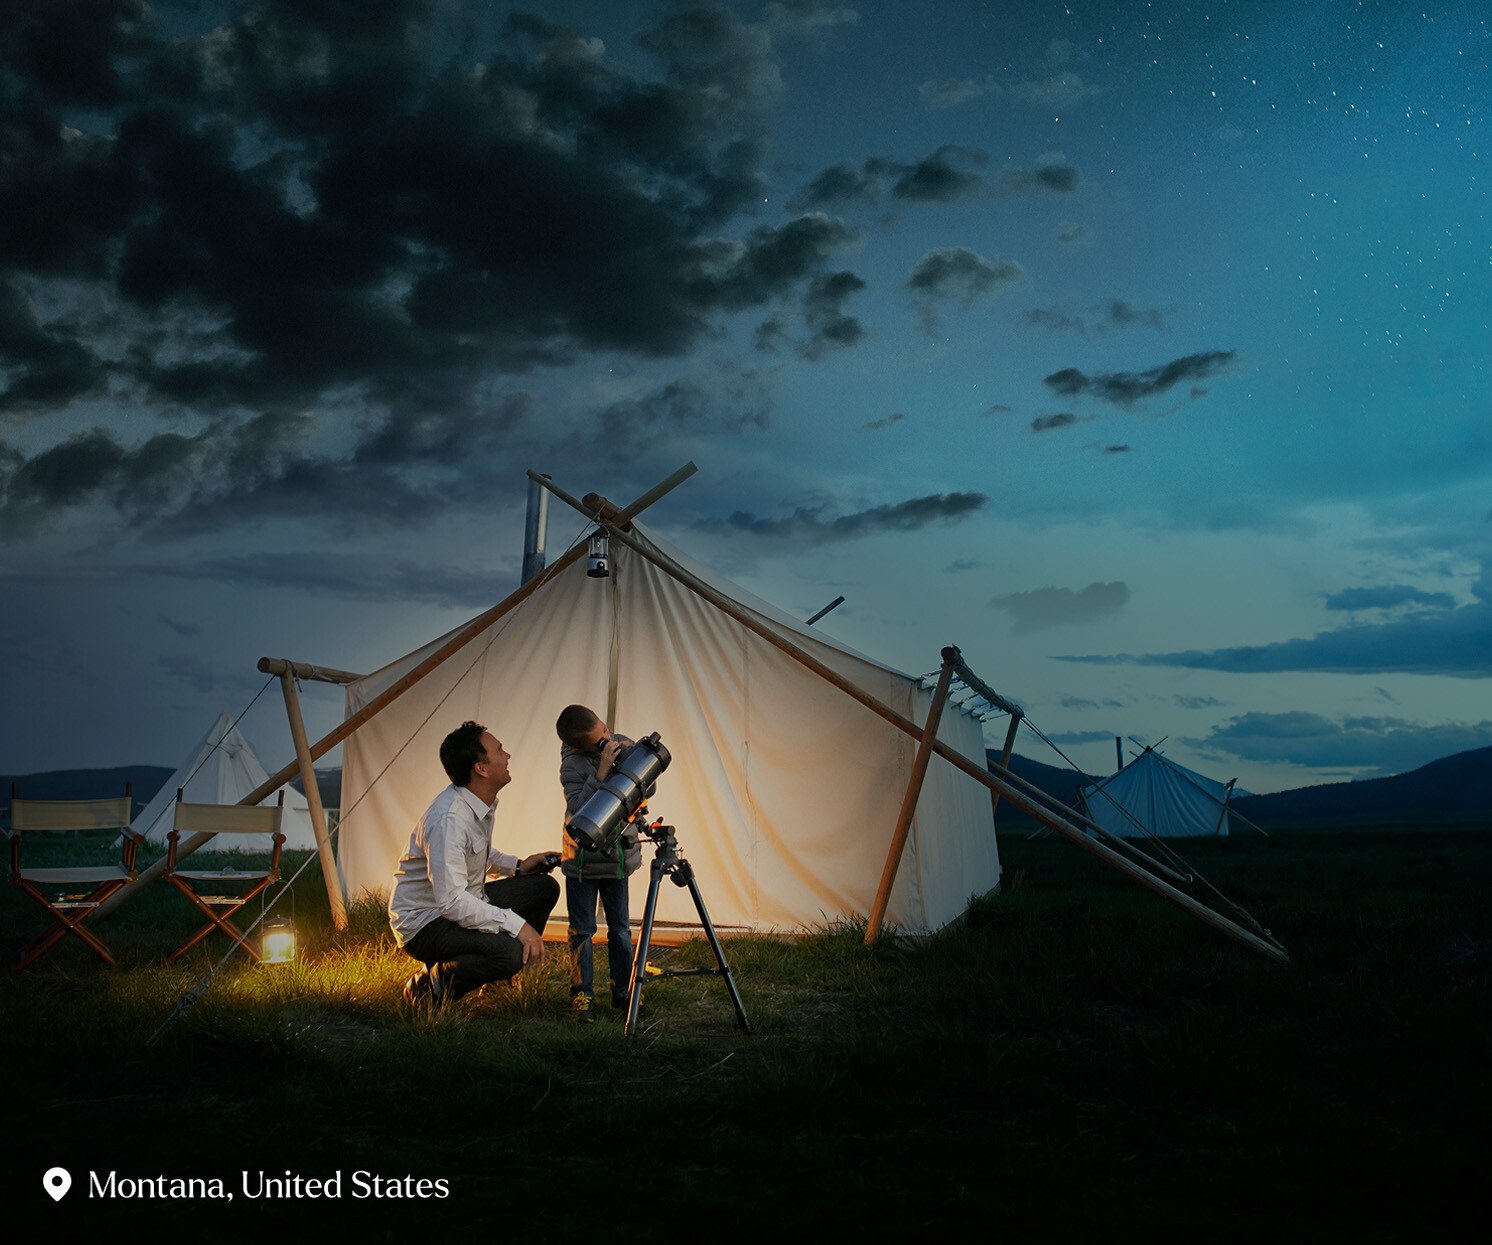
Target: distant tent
(1155, 795)
(785, 791)
(222, 769)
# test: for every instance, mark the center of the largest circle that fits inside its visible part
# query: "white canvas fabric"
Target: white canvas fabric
(222, 769)
(784, 789)
(1164, 797)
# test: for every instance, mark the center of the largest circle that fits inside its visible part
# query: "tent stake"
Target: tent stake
(909, 800)
(977, 772)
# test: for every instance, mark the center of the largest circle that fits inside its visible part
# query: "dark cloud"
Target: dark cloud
(401, 468)
(1386, 596)
(959, 565)
(1127, 388)
(1116, 449)
(678, 408)
(48, 368)
(1042, 608)
(1197, 702)
(1456, 641)
(1051, 172)
(1045, 423)
(812, 523)
(445, 435)
(829, 328)
(1123, 314)
(838, 185)
(91, 466)
(998, 408)
(1079, 702)
(1056, 321)
(1387, 745)
(958, 272)
(351, 577)
(935, 178)
(942, 177)
(259, 179)
(1071, 234)
(876, 425)
(205, 677)
(70, 53)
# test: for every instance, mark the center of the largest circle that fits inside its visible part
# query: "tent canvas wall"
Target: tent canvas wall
(222, 769)
(1162, 796)
(784, 790)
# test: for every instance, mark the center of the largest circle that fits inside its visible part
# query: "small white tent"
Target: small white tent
(1155, 795)
(783, 789)
(222, 769)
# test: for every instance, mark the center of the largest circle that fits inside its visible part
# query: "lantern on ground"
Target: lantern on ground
(277, 945)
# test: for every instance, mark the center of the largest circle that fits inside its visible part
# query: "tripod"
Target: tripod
(667, 861)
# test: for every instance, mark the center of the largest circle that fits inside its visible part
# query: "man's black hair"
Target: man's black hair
(461, 750)
(575, 723)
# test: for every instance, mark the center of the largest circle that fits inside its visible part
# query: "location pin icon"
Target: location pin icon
(57, 1182)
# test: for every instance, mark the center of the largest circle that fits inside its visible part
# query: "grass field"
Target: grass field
(1075, 1059)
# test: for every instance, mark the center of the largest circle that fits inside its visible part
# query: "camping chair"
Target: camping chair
(223, 819)
(72, 894)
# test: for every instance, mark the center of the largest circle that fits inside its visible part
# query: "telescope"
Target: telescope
(600, 821)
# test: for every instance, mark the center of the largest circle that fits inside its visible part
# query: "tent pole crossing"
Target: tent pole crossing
(979, 773)
(909, 800)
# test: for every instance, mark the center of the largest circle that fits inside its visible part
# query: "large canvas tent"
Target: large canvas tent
(1156, 795)
(222, 769)
(784, 790)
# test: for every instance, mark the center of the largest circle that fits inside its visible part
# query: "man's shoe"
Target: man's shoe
(620, 1004)
(580, 1009)
(417, 991)
(426, 991)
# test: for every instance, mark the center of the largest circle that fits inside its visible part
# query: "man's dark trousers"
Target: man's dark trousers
(469, 958)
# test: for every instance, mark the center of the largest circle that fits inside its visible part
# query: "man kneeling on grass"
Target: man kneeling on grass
(465, 930)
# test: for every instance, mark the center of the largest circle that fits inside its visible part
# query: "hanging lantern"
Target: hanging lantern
(277, 944)
(598, 556)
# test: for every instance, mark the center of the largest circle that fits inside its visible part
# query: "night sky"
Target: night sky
(1138, 349)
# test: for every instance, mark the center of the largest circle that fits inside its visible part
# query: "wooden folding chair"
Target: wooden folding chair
(71, 894)
(223, 819)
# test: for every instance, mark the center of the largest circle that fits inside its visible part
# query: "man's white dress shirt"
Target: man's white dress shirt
(444, 870)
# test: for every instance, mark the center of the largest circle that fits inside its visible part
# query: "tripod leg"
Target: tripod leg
(730, 982)
(640, 954)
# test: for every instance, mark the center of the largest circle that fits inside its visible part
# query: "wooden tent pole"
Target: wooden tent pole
(994, 796)
(380, 702)
(909, 799)
(313, 801)
(980, 774)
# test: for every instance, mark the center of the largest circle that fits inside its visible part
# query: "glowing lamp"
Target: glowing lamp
(598, 556)
(277, 945)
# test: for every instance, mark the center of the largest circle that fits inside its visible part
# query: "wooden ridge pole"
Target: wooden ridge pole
(979, 773)
(390, 694)
(313, 801)
(909, 799)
